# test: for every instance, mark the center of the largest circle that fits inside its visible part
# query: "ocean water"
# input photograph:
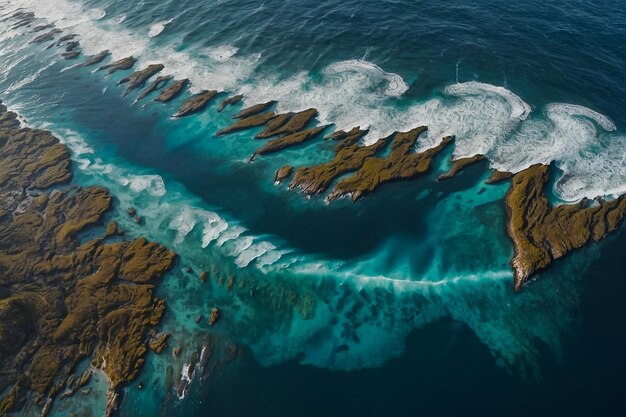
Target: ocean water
(402, 303)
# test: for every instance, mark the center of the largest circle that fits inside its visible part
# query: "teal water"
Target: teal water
(393, 305)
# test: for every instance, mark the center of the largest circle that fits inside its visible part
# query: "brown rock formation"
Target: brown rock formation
(139, 78)
(70, 45)
(172, 91)
(283, 173)
(63, 301)
(229, 102)
(542, 233)
(214, 316)
(96, 59)
(402, 163)
(253, 110)
(158, 342)
(122, 64)
(155, 85)
(247, 123)
(349, 157)
(286, 124)
(498, 176)
(195, 103)
(459, 165)
(287, 141)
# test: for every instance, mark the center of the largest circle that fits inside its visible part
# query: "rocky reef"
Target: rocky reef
(172, 91)
(138, 79)
(64, 299)
(459, 165)
(195, 103)
(287, 141)
(122, 64)
(286, 124)
(96, 59)
(229, 102)
(252, 110)
(401, 164)
(247, 123)
(349, 157)
(160, 82)
(542, 233)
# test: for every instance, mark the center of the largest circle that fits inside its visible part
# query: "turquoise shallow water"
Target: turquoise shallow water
(325, 295)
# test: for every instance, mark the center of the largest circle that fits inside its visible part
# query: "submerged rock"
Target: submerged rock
(459, 165)
(96, 59)
(286, 124)
(138, 79)
(195, 103)
(66, 38)
(401, 164)
(155, 85)
(39, 28)
(542, 233)
(247, 123)
(113, 229)
(172, 91)
(253, 110)
(214, 316)
(287, 141)
(229, 102)
(122, 64)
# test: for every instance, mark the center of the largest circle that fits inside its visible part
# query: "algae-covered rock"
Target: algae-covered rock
(154, 85)
(172, 91)
(287, 123)
(289, 140)
(459, 165)
(195, 103)
(122, 64)
(139, 78)
(402, 163)
(253, 110)
(247, 123)
(96, 59)
(229, 102)
(63, 301)
(542, 233)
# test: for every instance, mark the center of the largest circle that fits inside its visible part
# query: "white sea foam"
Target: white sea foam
(152, 184)
(252, 252)
(157, 28)
(222, 53)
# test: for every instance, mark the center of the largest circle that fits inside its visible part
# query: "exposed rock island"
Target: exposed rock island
(69, 306)
(542, 233)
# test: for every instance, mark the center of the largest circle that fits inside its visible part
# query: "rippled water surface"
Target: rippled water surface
(403, 302)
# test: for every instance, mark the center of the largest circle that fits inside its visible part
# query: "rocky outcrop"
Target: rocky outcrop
(48, 36)
(288, 141)
(195, 103)
(71, 45)
(459, 165)
(96, 59)
(350, 157)
(254, 110)
(155, 85)
(247, 123)
(542, 233)
(66, 38)
(139, 78)
(402, 163)
(286, 124)
(283, 173)
(172, 91)
(70, 55)
(229, 102)
(121, 65)
(498, 176)
(39, 28)
(63, 300)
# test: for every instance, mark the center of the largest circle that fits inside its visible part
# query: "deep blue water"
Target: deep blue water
(414, 313)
